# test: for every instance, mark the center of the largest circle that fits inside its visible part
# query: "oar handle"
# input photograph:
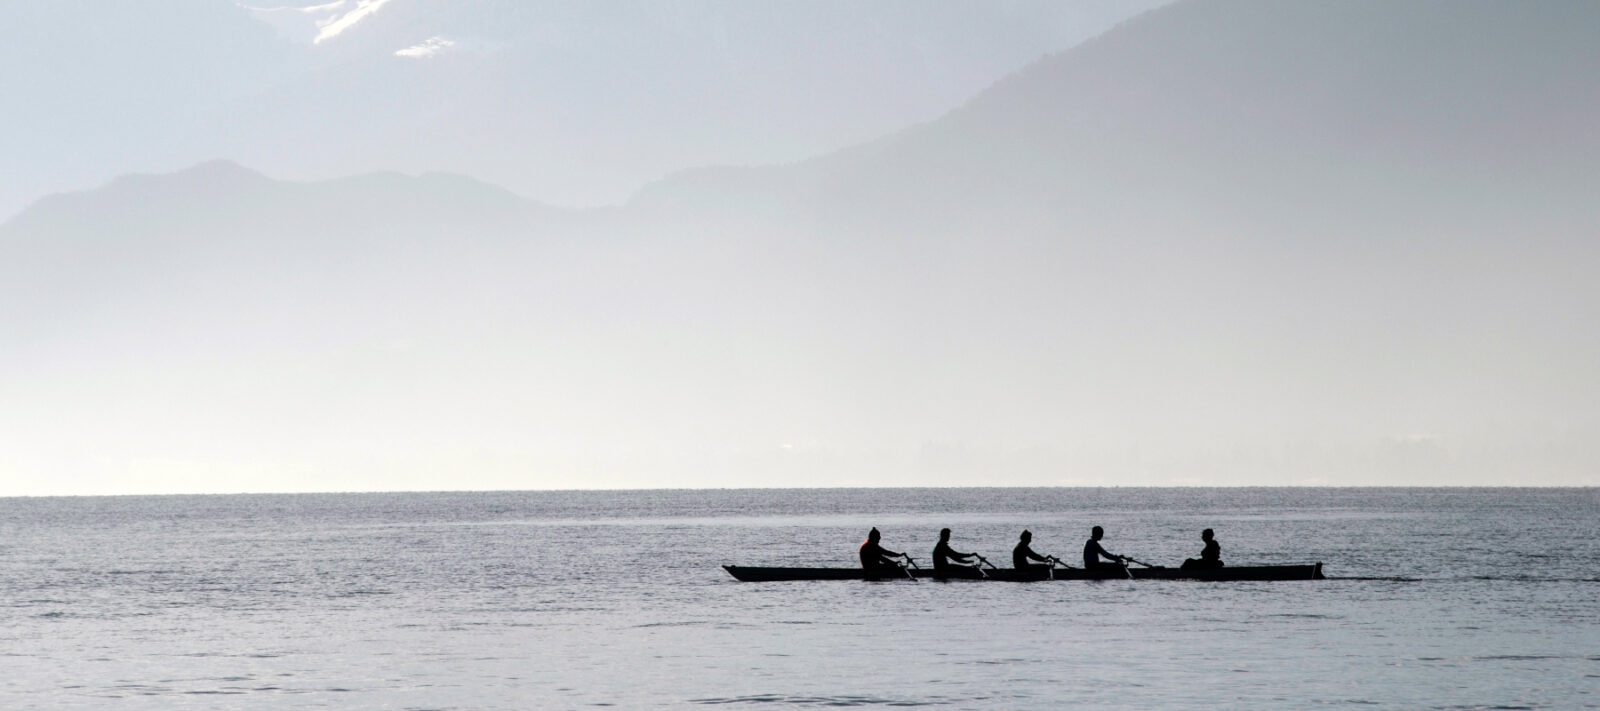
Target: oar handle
(1054, 561)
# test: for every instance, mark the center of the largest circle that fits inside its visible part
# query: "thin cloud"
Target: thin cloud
(315, 23)
(333, 27)
(430, 47)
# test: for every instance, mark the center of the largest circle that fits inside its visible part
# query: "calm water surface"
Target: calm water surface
(1453, 598)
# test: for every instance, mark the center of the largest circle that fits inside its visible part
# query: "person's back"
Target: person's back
(871, 554)
(875, 559)
(1023, 557)
(1093, 552)
(1210, 556)
(1019, 556)
(941, 555)
(945, 558)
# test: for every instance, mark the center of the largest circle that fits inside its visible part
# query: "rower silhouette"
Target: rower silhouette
(1210, 556)
(1023, 554)
(943, 555)
(1093, 553)
(880, 562)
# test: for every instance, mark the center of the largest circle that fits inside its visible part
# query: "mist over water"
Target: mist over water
(1437, 598)
(1224, 242)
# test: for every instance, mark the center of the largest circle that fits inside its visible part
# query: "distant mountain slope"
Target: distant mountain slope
(570, 101)
(224, 190)
(1237, 103)
(1231, 241)
(216, 219)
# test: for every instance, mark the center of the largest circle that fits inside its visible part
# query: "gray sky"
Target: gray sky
(1227, 242)
(572, 102)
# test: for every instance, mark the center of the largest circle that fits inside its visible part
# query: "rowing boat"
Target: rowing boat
(752, 574)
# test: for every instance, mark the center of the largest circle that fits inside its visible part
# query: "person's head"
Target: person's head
(944, 534)
(1206, 535)
(873, 535)
(1027, 536)
(1097, 532)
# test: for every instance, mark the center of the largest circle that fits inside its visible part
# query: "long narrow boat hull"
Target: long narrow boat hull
(1259, 572)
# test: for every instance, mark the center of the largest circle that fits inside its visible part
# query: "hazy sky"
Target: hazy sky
(889, 243)
(573, 102)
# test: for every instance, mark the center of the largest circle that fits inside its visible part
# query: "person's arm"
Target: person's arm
(967, 558)
(1101, 552)
(1040, 558)
(886, 553)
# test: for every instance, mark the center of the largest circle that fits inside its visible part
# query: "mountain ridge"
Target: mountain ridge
(1137, 260)
(1110, 111)
(150, 196)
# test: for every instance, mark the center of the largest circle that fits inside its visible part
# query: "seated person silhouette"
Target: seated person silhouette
(1022, 555)
(1093, 552)
(946, 558)
(879, 562)
(1210, 556)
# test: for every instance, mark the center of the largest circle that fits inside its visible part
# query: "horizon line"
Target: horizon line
(357, 492)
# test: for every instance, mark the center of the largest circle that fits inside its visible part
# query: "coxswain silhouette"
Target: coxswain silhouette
(1022, 556)
(1210, 556)
(945, 558)
(878, 561)
(1093, 552)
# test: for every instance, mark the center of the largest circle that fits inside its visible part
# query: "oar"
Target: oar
(1140, 562)
(913, 563)
(982, 561)
(1054, 561)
